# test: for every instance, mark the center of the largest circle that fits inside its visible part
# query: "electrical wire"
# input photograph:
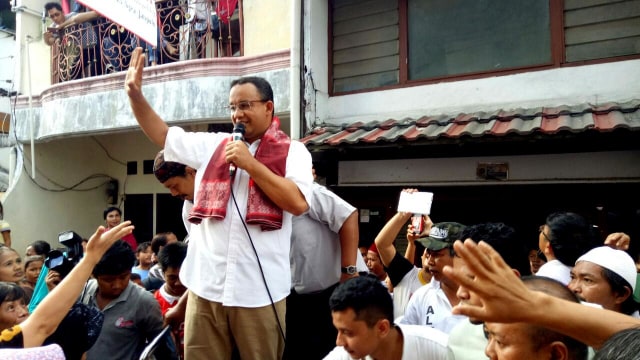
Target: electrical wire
(107, 152)
(264, 279)
(73, 187)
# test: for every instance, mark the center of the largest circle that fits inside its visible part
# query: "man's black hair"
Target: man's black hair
(366, 296)
(172, 255)
(504, 240)
(263, 86)
(541, 336)
(620, 286)
(52, 5)
(570, 235)
(118, 259)
(110, 209)
(10, 291)
(158, 241)
(624, 344)
(41, 247)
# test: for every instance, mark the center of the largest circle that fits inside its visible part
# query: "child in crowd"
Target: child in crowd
(170, 258)
(32, 266)
(143, 255)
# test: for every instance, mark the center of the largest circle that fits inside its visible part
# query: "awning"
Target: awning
(543, 120)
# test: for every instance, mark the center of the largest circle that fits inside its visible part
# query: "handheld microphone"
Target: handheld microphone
(237, 134)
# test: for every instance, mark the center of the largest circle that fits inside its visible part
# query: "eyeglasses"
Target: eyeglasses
(543, 234)
(243, 105)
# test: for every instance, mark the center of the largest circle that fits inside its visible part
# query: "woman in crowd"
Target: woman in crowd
(11, 268)
(112, 217)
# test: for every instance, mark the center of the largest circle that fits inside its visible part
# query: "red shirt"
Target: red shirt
(131, 240)
(165, 305)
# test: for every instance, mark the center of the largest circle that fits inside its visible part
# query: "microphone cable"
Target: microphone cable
(264, 279)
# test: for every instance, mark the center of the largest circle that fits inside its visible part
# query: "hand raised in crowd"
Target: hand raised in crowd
(497, 286)
(427, 224)
(618, 241)
(133, 79)
(502, 297)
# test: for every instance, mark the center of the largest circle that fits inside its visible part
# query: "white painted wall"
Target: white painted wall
(316, 59)
(266, 25)
(38, 214)
(33, 55)
(593, 84)
(8, 63)
(612, 166)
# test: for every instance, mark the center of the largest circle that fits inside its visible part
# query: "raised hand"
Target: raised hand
(503, 296)
(618, 241)
(133, 79)
(102, 240)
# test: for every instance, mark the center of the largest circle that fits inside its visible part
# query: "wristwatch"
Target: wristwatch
(349, 270)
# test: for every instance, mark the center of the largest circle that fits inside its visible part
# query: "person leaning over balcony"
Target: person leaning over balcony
(88, 37)
(236, 295)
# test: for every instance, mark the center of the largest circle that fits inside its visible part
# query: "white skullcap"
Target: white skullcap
(617, 261)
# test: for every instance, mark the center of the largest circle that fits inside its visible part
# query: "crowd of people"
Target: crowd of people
(87, 44)
(272, 269)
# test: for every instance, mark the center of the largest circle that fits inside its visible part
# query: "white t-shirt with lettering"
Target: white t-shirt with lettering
(429, 306)
(420, 342)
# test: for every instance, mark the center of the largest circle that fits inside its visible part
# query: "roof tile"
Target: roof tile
(546, 120)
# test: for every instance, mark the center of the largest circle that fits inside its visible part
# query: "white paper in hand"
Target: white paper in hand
(415, 203)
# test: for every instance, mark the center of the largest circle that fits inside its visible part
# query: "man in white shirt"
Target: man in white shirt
(607, 277)
(237, 267)
(431, 304)
(324, 251)
(467, 340)
(562, 239)
(362, 311)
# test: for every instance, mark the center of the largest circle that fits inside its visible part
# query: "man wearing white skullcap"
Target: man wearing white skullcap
(607, 277)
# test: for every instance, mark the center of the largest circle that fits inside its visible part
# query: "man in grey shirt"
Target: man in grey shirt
(131, 315)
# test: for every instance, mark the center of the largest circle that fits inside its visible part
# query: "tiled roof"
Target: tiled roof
(544, 120)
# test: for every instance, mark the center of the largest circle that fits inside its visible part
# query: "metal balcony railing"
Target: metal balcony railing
(186, 30)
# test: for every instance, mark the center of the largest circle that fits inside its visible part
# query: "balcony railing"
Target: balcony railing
(186, 30)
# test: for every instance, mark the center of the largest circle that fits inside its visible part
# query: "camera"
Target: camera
(63, 263)
(58, 262)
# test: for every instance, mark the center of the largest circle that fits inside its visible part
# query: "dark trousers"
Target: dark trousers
(310, 331)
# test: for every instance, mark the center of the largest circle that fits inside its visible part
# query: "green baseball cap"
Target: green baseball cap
(442, 235)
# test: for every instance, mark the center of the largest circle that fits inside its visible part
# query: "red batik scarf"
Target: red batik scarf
(215, 187)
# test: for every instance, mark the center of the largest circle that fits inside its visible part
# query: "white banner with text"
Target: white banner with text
(137, 16)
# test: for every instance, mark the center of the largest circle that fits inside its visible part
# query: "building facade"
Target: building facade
(505, 110)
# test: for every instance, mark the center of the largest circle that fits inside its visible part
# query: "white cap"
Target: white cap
(617, 261)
